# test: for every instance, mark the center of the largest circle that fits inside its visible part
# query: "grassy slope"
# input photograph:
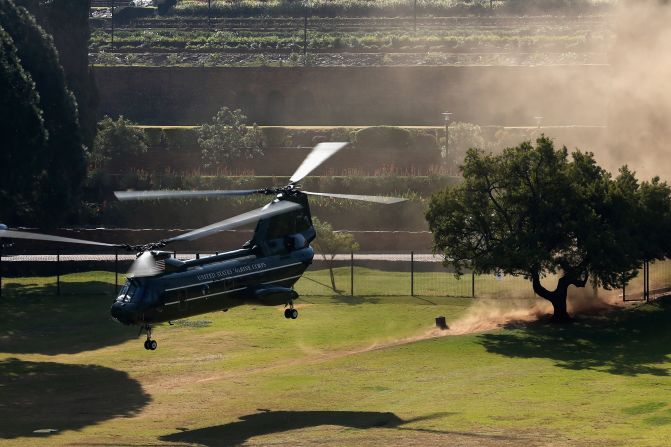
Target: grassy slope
(214, 378)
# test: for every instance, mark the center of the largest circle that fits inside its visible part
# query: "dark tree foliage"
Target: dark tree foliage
(117, 144)
(23, 133)
(532, 211)
(68, 22)
(62, 165)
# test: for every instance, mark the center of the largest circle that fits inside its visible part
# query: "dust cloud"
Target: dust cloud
(489, 314)
(639, 114)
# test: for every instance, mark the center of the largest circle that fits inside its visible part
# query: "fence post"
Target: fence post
(58, 274)
(472, 284)
(646, 285)
(412, 273)
(351, 273)
(116, 272)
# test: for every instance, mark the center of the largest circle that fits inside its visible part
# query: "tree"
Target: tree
(462, 136)
(329, 243)
(532, 211)
(67, 21)
(23, 134)
(228, 138)
(64, 159)
(116, 143)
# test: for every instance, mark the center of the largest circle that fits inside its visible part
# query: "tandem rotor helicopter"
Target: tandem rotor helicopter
(160, 288)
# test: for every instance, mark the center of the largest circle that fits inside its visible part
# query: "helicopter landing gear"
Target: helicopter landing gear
(149, 344)
(291, 312)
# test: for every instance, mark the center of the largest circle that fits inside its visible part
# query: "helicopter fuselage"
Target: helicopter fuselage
(210, 284)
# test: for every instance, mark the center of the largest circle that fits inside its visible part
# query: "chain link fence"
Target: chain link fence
(354, 274)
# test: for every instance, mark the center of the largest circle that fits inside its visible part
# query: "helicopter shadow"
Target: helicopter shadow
(268, 422)
(48, 396)
(33, 319)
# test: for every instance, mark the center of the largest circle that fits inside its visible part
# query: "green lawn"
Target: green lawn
(342, 374)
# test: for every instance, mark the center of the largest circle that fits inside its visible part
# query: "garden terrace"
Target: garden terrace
(437, 41)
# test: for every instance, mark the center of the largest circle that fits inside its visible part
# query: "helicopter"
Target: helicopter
(160, 288)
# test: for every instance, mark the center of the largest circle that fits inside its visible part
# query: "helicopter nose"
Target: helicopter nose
(122, 312)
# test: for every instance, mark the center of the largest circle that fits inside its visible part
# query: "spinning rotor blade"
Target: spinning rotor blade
(167, 194)
(320, 153)
(269, 210)
(145, 265)
(376, 199)
(11, 234)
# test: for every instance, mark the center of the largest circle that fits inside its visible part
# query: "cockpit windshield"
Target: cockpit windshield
(127, 292)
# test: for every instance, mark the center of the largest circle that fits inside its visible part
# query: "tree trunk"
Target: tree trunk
(558, 296)
(333, 284)
(560, 314)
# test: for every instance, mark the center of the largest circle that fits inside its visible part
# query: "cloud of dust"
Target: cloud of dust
(640, 104)
(488, 314)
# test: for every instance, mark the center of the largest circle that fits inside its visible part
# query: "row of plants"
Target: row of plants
(133, 57)
(385, 8)
(229, 145)
(181, 40)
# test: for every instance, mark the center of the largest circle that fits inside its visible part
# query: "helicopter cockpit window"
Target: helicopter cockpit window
(127, 291)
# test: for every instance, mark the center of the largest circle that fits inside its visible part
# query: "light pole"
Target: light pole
(209, 14)
(305, 33)
(112, 25)
(414, 15)
(447, 140)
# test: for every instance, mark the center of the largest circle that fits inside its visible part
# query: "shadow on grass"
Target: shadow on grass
(46, 395)
(38, 321)
(272, 422)
(354, 300)
(624, 342)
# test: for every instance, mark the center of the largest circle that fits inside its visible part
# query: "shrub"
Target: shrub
(383, 137)
(228, 138)
(276, 137)
(117, 144)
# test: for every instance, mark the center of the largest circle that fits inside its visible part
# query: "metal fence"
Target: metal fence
(354, 274)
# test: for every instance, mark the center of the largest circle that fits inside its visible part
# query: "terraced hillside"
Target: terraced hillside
(352, 41)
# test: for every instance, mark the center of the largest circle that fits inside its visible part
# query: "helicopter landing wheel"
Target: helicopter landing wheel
(149, 344)
(293, 314)
(287, 313)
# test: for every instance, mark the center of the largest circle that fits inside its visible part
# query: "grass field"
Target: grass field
(344, 373)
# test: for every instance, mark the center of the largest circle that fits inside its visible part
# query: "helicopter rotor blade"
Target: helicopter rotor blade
(320, 153)
(376, 199)
(12, 234)
(253, 216)
(177, 194)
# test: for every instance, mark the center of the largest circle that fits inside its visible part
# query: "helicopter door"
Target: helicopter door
(182, 300)
(229, 284)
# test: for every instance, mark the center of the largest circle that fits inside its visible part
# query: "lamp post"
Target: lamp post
(447, 140)
(112, 25)
(414, 16)
(305, 33)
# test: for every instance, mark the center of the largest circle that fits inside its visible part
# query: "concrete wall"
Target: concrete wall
(358, 95)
